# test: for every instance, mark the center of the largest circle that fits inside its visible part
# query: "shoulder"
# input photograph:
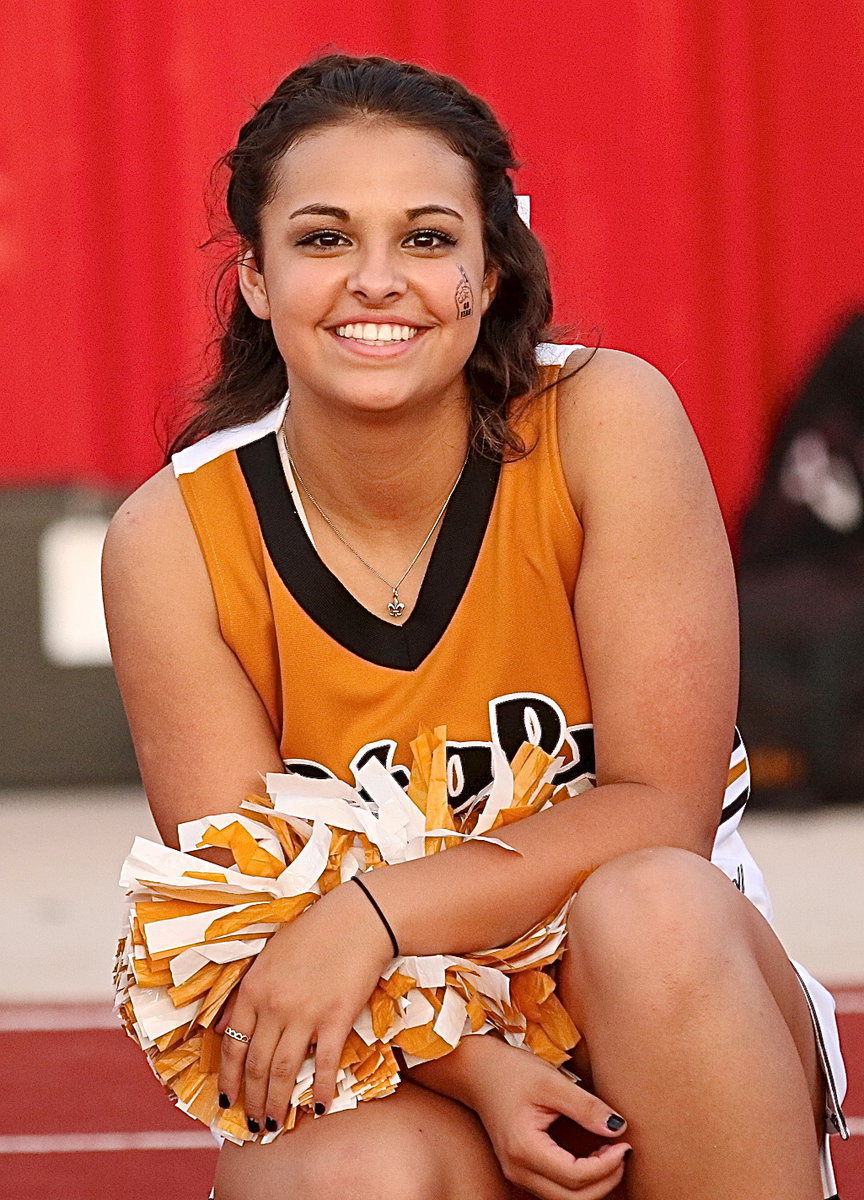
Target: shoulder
(148, 514)
(153, 525)
(611, 385)
(621, 426)
(151, 549)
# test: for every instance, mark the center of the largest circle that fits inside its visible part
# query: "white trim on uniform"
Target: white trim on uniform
(210, 447)
(550, 352)
(294, 490)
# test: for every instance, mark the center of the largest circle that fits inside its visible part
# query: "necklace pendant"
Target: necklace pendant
(395, 607)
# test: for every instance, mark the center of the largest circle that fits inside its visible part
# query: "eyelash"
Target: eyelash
(438, 233)
(309, 239)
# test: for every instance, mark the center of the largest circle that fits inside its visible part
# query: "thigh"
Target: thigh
(714, 908)
(412, 1145)
(785, 986)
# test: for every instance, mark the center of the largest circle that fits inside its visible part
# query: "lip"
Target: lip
(376, 319)
(382, 349)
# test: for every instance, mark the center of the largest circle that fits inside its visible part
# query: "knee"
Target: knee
(662, 906)
(352, 1168)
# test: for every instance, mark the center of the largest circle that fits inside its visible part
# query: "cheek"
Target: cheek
(458, 290)
(297, 307)
(303, 294)
(463, 296)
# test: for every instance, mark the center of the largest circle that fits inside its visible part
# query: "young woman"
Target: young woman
(441, 523)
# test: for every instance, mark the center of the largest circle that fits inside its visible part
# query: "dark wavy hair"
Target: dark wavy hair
(250, 378)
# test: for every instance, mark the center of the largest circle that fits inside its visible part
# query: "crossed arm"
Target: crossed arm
(656, 614)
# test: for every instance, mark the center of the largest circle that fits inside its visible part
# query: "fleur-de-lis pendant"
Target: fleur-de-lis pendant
(395, 607)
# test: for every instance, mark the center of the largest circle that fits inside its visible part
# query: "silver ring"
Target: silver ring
(237, 1036)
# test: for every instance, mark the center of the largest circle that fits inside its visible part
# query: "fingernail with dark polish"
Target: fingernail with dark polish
(224, 1102)
(627, 1153)
(254, 1127)
(319, 1109)
(615, 1123)
(270, 1125)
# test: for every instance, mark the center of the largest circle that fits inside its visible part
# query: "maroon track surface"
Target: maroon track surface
(95, 1081)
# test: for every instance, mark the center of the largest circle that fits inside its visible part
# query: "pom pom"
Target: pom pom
(193, 930)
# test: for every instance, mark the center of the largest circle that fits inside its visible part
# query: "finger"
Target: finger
(585, 1109)
(256, 1072)
(287, 1060)
(543, 1155)
(547, 1189)
(328, 1054)
(232, 1059)
(227, 1014)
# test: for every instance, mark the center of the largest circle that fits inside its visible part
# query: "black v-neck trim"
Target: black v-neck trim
(329, 603)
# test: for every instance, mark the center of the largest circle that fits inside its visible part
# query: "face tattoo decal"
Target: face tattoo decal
(464, 296)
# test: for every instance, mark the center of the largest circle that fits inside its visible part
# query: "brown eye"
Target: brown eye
(323, 239)
(430, 239)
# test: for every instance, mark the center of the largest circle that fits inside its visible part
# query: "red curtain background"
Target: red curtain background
(695, 171)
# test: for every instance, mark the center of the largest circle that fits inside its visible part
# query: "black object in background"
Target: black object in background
(801, 586)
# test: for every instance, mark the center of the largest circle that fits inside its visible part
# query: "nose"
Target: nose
(376, 276)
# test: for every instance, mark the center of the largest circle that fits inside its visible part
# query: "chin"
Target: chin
(381, 399)
(378, 403)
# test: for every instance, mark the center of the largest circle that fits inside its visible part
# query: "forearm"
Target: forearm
(475, 895)
(464, 1072)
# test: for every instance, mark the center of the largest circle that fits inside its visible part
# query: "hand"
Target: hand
(517, 1097)
(306, 986)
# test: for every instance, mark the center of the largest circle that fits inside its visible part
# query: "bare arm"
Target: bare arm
(655, 609)
(656, 612)
(201, 733)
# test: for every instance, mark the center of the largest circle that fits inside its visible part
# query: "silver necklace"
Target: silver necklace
(396, 607)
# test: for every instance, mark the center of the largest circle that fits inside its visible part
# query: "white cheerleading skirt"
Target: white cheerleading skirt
(733, 858)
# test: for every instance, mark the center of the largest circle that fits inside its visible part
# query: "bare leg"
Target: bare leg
(696, 1029)
(413, 1145)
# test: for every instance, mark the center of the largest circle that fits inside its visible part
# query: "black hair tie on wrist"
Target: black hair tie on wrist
(396, 951)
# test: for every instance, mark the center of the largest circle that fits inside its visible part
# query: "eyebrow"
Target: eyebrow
(413, 213)
(321, 210)
(342, 214)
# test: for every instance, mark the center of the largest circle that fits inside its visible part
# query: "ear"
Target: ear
(252, 284)
(490, 286)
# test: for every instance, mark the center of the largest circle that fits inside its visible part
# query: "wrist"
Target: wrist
(354, 912)
(463, 1074)
(379, 912)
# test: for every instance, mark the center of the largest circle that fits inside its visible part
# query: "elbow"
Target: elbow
(704, 833)
(704, 843)
(695, 827)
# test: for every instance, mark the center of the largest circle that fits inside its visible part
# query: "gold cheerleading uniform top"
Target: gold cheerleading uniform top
(490, 649)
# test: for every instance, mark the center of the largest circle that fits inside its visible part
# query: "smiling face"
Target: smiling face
(372, 271)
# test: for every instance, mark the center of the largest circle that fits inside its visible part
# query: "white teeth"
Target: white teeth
(368, 332)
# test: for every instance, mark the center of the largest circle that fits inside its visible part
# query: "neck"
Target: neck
(374, 469)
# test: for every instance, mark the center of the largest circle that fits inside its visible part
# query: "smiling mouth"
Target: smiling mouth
(369, 334)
